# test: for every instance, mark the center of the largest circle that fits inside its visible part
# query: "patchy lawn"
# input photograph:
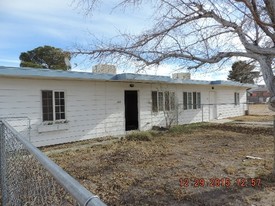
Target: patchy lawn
(190, 165)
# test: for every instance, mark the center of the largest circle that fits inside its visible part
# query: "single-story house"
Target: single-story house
(259, 94)
(66, 106)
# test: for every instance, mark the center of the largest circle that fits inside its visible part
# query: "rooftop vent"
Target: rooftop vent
(183, 76)
(104, 69)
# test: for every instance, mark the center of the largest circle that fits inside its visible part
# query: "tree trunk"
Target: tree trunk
(265, 63)
(273, 170)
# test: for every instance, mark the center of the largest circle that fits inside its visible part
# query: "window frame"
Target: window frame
(167, 101)
(54, 105)
(236, 98)
(191, 100)
(154, 96)
(172, 101)
(162, 100)
(185, 101)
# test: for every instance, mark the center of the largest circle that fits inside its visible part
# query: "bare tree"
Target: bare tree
(198, 33)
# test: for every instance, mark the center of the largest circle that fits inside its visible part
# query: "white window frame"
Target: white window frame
(236, 98)
(166, 96)
(54, 105)
(189, 98)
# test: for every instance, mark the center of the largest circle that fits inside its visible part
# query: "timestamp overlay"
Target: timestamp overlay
(220, 182)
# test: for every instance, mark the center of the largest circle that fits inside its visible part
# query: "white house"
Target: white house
(65, 106)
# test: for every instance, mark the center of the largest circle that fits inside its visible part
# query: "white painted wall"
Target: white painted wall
(96, 109)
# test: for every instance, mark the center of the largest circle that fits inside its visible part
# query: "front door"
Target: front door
(131, 110)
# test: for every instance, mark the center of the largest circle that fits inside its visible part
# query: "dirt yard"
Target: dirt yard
(199, 164)
(259, 109)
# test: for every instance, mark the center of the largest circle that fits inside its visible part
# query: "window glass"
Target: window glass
(199, 100)
(189, 100)
(154, 101)
(185, 100)
(160, 101)
(194, 100)
(167, 101)
(172, 100)
(47, 108)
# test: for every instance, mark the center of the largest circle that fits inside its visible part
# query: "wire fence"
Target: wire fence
(28, 177)
(188, 113)
(22, 124)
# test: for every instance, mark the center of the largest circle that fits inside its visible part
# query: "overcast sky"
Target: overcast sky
(27, 24)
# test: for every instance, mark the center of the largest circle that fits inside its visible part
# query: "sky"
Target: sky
(28, 24)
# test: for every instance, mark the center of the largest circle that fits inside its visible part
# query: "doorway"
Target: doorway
(131, 110)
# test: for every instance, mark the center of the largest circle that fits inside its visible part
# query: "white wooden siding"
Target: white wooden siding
(96, 109)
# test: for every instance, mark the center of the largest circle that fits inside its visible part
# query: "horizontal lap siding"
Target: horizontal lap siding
(96, 109)
(226, 95)
(93, 109)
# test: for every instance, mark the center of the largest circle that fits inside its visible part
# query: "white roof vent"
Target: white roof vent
(104, 69)
(183, 76)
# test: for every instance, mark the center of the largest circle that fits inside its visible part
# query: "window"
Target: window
(53, 105)
(47, 104)
(236, 98)
(198, 100)
(185, 100)
(167, 101)
(194, 100)
(160, 101)
(154, 101)
(191, 100)
(172, 100)
(163, 101)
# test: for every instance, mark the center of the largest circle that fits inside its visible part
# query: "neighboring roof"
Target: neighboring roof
(258, 89)
(59, 74)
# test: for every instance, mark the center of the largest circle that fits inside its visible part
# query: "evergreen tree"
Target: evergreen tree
(243, 72)
(46, 57)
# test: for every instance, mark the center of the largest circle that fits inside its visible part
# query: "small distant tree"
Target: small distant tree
(46, 57)
(243, 72)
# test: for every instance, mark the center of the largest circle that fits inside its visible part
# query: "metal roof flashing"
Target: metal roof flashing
(51, 74)
(18, 72)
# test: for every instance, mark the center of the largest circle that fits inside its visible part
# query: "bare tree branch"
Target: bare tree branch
(195, 33)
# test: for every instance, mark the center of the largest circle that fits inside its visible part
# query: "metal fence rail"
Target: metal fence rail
(28, 177)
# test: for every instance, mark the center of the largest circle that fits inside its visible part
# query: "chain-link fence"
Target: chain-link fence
(28, 177)
(21, 124)
(190, 113)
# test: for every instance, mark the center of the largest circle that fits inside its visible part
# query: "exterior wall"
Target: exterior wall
(96, 109)
(225, 102)
(90, 113)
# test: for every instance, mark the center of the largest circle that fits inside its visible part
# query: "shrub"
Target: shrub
(139, 136)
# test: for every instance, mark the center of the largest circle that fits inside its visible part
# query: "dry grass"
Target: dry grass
(253, 118)
(257, 113)
(259, 109)
(149, 172)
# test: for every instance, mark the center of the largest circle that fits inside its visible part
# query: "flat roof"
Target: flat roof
(24, 72)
